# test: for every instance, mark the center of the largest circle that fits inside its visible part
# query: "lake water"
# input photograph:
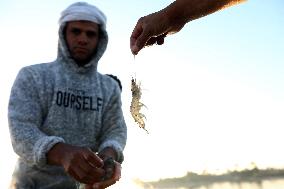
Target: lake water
(264, 184)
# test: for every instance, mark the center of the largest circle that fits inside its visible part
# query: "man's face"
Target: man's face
(82, 38)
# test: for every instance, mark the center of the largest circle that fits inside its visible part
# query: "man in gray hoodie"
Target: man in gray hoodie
(65, 118)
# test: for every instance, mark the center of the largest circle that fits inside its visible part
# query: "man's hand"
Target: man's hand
(106, 183)
(153, 28)
(148, 31)
(80, 163)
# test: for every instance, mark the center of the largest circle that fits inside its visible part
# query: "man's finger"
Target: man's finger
(91, 172)
(161, 38)
(135, 34)
(142, 39)
(93, 159)
(80, 176)
(133, 38)
(117, 171)
(151, 41)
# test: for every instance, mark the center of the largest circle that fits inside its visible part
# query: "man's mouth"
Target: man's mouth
(80, 49)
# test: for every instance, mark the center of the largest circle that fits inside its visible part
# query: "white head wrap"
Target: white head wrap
(83, 11)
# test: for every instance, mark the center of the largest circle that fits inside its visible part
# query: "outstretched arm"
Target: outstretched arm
(154, 27)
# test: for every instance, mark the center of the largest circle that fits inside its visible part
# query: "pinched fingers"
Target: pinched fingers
(106, 183)
(159, 40)
(84, 165)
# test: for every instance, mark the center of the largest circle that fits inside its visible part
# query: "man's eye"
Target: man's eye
(91, 34)
(76, 31)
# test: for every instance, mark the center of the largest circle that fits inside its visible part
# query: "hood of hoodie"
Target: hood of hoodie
(85, 12)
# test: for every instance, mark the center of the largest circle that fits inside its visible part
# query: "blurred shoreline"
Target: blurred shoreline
(193, 180)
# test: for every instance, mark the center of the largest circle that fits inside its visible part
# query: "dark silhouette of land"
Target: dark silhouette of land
(192, 180)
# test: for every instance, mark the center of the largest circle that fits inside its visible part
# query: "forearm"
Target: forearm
(30, 144)
(183, 11)
(56, 153)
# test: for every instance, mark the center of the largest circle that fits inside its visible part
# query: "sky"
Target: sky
(214, 92)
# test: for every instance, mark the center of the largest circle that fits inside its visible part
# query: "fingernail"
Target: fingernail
(134, 50)
(117, 178)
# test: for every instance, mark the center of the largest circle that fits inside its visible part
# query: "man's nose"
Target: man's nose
(83, 39)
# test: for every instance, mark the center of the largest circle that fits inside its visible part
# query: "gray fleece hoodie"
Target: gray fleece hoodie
(61, 102)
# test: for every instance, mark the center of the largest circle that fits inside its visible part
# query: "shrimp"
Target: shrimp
(136, 105)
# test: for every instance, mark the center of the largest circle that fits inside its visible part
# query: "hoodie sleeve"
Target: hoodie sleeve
(114, 131)
(25, 115)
